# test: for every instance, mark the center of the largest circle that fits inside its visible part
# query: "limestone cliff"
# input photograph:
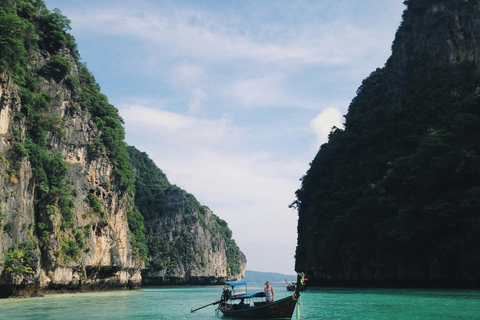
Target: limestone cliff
(187, 243)
(66, 191)
(68, 218)
(393, 199)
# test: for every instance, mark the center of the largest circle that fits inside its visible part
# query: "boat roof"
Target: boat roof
(248, 295)
(236, 283)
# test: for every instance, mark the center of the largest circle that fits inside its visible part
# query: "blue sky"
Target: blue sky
(232, 99)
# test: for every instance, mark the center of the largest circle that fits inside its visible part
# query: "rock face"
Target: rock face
(393, 198)
(63, 203)
(187, 243)
(102, 241)
(68, 218)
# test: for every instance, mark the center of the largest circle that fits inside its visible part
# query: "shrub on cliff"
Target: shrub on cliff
(20, 260)
(15, 34)
(56, 68)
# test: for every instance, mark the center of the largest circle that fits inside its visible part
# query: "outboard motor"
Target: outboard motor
(226, 294)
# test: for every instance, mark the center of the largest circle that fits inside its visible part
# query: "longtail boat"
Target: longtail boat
(241, 304)
(291, 286)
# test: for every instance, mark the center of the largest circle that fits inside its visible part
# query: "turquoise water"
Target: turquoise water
(176, 303)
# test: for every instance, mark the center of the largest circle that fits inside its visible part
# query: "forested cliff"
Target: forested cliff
(68, 218)
(186, 242)
(394, 197)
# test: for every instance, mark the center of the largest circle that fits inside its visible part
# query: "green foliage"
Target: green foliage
(8, 229)
(233, 252)
(70, 249)
(56, 68)
(3, 215)
(44, 232)
(94, 203)
(160, 252)
(15, 36)
(53, 26)
(26, 28)
(152, 193)
(73, 83)
(416, 6)
(150, 184)
(87, 230)
(66, 204)
(20, 22)
(109, 122)
(223, 227)
(396, 189)
(3, 160)
(21, 259)
(49, 170)
(16, 154)
(79, 239)
(137, 234)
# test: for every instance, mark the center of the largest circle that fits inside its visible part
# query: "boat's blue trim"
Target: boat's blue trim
(235, 283)
(249, 295)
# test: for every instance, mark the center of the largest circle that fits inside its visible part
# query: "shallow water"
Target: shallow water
(318, 303)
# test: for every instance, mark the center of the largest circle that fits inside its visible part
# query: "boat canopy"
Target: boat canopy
(249, 295)
(236, 283)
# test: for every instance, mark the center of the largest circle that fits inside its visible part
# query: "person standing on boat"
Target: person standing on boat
(269, 294)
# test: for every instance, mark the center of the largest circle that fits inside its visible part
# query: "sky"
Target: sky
(232, 99)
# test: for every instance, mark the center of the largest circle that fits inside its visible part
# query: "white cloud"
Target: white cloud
(196, 102)
(166, 124)
(249, 189)
(182, 31)
(260, 92)
(186, 59)
(246, 188)
(190, 77)
(323, 123)
(213, 160)
(188, 74)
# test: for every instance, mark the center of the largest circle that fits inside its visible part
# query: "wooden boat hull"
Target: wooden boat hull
(280, 309)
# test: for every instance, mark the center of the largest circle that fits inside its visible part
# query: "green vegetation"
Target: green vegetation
(70, 249)
(3, 215)
(8, 229)
(44, 231)
(49, 168)
(137, 233)
(233, 252)
(26, 28)
(16, 36)
(166, 250)
(94, 203)
(56, 68)
(150, 184)
(109, 122)
(20, 21)
(21, 259)
(396, 194)
(54, 26)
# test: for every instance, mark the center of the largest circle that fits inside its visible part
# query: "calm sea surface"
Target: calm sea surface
(176, 302)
